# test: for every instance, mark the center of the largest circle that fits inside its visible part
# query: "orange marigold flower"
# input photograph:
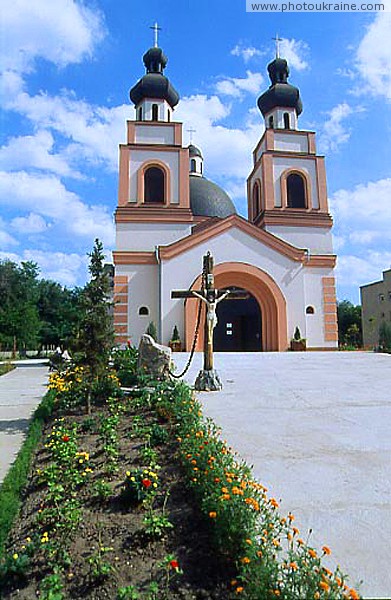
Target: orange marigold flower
(325, 586)
(259, 553)
(245, 560)
(312, 553)
(276, 543)
(212, 514)
(326, 550)
(233, 582)
(274, 502)
(224, 490)
(353, 594)
(295, 531)
(289, 536)
(239, 589)
(216, 479)
(249, 542)
(291, 517)
(339, 581)
(300, 542)
(277, 593)
(316, 595)
(193, 462)
(225, 497)
(293, 566)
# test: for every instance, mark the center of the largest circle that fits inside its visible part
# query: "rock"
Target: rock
(208, 381)
(154, 359)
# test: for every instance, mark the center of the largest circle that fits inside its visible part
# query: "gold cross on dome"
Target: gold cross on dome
(277, 40)
(156, 30)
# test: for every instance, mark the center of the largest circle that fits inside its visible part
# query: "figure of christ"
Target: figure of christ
(211, 316)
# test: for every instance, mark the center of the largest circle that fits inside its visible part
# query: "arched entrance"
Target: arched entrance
(267, 294)
(239, 325)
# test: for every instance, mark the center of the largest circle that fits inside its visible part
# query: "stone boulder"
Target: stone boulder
(153, 358)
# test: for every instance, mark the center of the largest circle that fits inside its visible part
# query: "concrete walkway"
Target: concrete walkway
(21, 391)
(317, 428)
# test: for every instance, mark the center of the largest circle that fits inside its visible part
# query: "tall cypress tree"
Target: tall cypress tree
(96, 336)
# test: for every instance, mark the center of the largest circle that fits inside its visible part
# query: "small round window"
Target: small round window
(310, 310)
(143, 311)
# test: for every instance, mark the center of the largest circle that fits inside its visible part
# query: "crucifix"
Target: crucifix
(208, 380)
(156, 29)
(277, 40)
(191, 131)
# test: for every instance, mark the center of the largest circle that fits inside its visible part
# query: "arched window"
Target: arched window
(271, 122)
(140, 114)
(154, 185)
(295, 191)
(155, 112)
(193, 165)
(256, 199)
(286, 121)
(310, 310)
(143, 311)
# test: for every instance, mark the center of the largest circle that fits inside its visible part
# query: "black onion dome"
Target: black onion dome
(154, 84)
(194, 151)
(280, 93)
(208, 199)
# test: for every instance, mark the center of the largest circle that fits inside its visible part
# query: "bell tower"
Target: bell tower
(286, 189)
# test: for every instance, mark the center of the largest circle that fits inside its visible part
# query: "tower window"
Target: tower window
(271, 122)
(295, 187)
(310, 310)
(286, 121)
(193, 168)
(143, 311)
(155, 112)
(256, 199)
(140, 113)
(154, 186)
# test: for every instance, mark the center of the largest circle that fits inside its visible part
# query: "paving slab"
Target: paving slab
(317, 429)
(21, 390)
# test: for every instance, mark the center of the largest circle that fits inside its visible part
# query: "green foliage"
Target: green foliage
(59, 313)
(125, 364)
(385, 336)
(51, 588)
(16, 478)
(297, 334)
(128, 593)
(156, 524)
(349, 324)
(152, 331)
(100, 569)
(6, 368)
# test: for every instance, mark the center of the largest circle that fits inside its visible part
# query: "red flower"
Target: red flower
(174, 564)
(65, 438)
(146, 483)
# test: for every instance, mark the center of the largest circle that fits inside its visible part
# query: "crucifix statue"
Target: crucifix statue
(208, 379)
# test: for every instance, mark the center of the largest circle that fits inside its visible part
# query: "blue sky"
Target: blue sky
(66, 69)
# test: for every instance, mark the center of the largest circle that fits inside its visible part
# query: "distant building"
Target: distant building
(376, 307)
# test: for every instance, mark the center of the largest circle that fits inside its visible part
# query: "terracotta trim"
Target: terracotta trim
(296, 218)
(311, 142)
(329, 297)
(328, 281)
(296, 154)
(264, 289)
(121, 339)
(120, 309)
(330, 317)
(140, 181)
(331, 337)
(124, 257)
(155, 147)
(120, 319)
(183, 183)
(131, 131)
(269, 139)
(284, 189)
(151, 123)
(150, 214)
(120, 278)
(250, 214)
(257, 147)
(123, 177)
(268, 179)
(189, 242)
(322, 260)
(121, 328)
(321, 182)
(178, 133)
(120, 288)
(329, 310)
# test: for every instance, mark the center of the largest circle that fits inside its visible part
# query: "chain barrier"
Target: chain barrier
(196, 332)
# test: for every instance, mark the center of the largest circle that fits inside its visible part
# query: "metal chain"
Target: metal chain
(195, 333)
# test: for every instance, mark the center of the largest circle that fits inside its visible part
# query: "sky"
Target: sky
(66, 70)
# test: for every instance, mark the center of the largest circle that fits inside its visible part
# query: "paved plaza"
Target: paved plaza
(317, 428)
(21, 391)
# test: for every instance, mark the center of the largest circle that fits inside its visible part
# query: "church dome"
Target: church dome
(194, 151)
(208, 199)
(154, 84)
(280, 93)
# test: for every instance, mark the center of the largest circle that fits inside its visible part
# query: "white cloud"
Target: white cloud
(373, 57)
(359, 270)
(294, 51)
(247, 53)
(235, 86)
(334, 131)
(33, 223)
(61, 32)
(67, 269)
(46, 195)
(34, 151)
(6, 240)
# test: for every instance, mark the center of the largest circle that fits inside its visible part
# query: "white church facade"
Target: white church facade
(170, 215)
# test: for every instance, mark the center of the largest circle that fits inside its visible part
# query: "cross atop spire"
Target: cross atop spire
(191, 131)
(277, 40)
(156, 29)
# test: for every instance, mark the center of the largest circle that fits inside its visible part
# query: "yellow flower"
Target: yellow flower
(15, 556)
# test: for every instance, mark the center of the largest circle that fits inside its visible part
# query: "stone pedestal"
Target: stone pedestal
(208, 381)
(154, 359)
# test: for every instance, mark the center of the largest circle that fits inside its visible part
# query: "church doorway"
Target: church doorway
(239, 325)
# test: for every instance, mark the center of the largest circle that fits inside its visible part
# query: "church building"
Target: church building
(170, 215)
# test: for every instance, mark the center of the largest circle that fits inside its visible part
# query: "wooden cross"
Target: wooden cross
(277, 40)
(211, 297)
(156, 29)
